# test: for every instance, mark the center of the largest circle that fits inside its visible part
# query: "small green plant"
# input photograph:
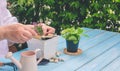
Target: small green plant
(72, 34)
(39, 30)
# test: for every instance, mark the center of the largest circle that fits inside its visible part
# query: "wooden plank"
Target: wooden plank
(94, 42)
(88, 55)
(103, 60)
(92, 34)
(118, 68)
(6, 68)
(16, 55)
(68, 58)
(114, 66)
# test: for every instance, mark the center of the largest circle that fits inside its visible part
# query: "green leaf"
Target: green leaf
(72, 34)
(88, 20)
(75, 42)
(117, 1)
(75, 4)
(39, 30)
(72, 38)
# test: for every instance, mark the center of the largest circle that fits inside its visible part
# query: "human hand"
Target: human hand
(47, 29)
(19, 33)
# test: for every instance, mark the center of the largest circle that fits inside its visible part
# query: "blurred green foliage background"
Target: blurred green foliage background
(61, 14)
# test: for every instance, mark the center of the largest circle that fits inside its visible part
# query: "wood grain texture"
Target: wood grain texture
(101, 52)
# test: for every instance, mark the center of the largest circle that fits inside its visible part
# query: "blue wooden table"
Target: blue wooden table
(101, 52)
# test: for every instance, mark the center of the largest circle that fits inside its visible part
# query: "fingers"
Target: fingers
(30, 29)
(51, 31)
(48, 30)
(44, 31)
(20, 33)
(23, 37)
(27, 34)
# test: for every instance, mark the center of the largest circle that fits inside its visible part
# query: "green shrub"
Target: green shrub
(61, 14)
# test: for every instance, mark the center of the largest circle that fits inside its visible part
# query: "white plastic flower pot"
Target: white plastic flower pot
(48, 47)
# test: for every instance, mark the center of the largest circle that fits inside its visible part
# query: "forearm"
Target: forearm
(2, 32)
(2, 36)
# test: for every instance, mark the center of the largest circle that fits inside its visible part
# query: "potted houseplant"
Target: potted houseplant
(43, 42)
(72, 36)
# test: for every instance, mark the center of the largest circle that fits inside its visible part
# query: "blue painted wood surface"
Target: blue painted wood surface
(101, 52)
